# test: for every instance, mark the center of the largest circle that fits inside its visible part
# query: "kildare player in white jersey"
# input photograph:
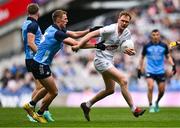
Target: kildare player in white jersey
(114, 35)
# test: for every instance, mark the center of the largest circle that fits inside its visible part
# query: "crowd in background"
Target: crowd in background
(74, 72)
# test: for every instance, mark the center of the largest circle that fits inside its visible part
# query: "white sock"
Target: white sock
(133, 108)
(88, 104)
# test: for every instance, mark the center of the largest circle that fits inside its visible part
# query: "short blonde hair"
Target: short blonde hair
(125, 13)
(58, 14)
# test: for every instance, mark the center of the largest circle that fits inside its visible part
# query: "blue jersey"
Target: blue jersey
(30, 26)
(155, 55)
(51, 43)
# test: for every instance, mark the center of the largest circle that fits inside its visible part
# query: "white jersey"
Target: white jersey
(113, 39)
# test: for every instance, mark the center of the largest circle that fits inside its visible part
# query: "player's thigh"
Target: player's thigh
(150, 82)
(114, 74)
(109, 83)
(49, 84)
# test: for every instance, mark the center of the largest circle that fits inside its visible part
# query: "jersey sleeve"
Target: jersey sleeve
(144, 50)
(166, 50)
(64, 30)
(32, 28)
(60, 35)
(106, 30)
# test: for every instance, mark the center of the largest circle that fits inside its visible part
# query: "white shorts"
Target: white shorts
(102, 65)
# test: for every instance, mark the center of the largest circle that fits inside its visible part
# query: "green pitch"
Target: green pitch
(100, 118)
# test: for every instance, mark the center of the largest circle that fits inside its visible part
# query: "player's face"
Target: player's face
(63, 21)
(123, 22)
(155, 36)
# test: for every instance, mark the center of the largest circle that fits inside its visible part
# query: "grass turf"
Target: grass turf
(100, 118)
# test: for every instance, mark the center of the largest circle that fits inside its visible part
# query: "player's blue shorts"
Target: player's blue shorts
(40, 71)
(157, 77)
(29, 63)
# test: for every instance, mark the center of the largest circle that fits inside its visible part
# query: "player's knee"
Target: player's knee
(54, 93)
(124, 82)
(161, 91)
(150, 88)
(110, 91)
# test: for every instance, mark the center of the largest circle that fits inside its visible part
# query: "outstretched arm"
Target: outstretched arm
(77, 34)
(99, 45)
(86, 38)
(70, 41)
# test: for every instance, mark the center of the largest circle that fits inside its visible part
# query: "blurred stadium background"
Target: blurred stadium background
(75, 75)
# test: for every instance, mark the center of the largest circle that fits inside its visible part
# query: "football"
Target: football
(126, 44)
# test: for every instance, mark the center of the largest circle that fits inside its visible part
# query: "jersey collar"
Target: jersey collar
(55, 26)
(155, 43)
(32, 19)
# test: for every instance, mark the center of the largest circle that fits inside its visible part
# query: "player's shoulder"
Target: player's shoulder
(148, 44)
(32, 21)
(163, 44)
(52, 28)
(110, 27)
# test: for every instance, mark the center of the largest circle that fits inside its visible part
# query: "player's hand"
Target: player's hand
(75, 48)
(174, 69)
(139, 73)
(174, 44)
(130, 51)
(95, 28)
(101, 45)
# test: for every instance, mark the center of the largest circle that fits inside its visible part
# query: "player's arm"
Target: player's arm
(31, 31)
(141, 66)
(31, 42)
(141, 63)
(170, 60)
(85, 39)
(62, 36)
(78, 34)
(99, 45)
(72, 42)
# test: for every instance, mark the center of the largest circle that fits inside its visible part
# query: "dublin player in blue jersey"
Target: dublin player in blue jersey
(53, 40)
(155, 53)
(31, 34)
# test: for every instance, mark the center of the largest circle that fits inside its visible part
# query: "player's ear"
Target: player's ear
(58, 20)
